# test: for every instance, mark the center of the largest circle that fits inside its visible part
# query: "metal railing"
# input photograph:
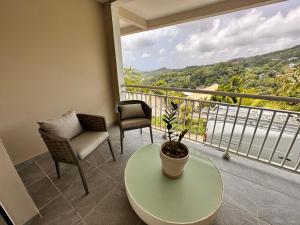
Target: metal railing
(267, 135)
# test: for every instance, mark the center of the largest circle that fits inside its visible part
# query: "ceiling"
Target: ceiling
(140, 15)
(154, 9)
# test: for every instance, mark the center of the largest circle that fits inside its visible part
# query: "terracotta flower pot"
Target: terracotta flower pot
(173, 167)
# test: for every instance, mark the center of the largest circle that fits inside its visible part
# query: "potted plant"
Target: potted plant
(173, 153)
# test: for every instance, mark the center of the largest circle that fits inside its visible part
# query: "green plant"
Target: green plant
(169, 118)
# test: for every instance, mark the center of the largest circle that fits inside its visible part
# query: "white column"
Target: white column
(115, 49)
(118, 47)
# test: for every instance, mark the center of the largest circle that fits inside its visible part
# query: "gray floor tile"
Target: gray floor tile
(30, 174)
(69, 174)
(277, 179)
(236, 165)
(240, 193)
(21, 165)
(42, 192)
(99, 186)
(46, 163)
(34, 220)
(277, 208)
(114, 209)
(59, 212)
(230, 215)
(101, 155)
(116, 170)
(80, 222)
(270, 206)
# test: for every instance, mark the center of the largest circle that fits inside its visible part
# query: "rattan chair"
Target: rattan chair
(134, 123)
(63, 150)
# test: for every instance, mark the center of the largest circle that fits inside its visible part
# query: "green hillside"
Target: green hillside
(275, 73)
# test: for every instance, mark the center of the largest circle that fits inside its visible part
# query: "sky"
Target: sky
(245, 33)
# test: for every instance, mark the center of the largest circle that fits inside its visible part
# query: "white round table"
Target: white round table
(194, 198)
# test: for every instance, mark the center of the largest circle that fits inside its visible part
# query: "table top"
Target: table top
(194, 196)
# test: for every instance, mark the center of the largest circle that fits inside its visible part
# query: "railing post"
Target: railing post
(166, 106)
(206, 123)
(255, 130)
(291, 146)
(155, 106)
(244, 128)
(160, 113)
(279, 138)
(191, 121)
(216, 118)
(266, 135)
(226, 154)
(224, 124)
(199, 118)
(178, 113)
(184, 113)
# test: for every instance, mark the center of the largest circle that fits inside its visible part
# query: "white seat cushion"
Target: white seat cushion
(66, 126)
(87, 142)
(132, 123)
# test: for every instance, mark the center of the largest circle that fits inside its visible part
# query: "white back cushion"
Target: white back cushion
(66, 126)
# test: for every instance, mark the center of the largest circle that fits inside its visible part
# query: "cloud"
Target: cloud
(237, 32)
(280, 26)
(145, 55)
(162, 50)
(215, 39)
(148, 38)
(251, 29)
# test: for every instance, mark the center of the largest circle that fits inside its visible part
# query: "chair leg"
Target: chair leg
(121, 139)
(151, 134)
(57, 169)
(83, 179)
(141, 130)
(111, 150)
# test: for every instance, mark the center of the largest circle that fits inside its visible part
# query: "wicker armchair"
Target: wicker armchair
(134, 123)
(72, 151)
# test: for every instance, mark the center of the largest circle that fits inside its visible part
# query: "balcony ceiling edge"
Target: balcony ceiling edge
(139, 24)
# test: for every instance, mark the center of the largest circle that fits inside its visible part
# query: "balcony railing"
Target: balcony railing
(267, 135)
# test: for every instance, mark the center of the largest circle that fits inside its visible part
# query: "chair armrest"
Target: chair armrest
(147, 110)
(118, 114)
(92, 122)
(59, 147)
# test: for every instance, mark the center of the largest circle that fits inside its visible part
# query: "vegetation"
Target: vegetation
(197, 127)
(174, 147)
(276, 73)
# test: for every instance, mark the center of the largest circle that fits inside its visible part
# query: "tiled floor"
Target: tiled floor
(255, 194)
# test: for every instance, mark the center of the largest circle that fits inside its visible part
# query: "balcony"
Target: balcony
(256, 191)
(267, 135)
(62, 55)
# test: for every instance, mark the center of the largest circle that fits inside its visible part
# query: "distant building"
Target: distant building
(292, 58)
(292, 65)
(200, 96)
